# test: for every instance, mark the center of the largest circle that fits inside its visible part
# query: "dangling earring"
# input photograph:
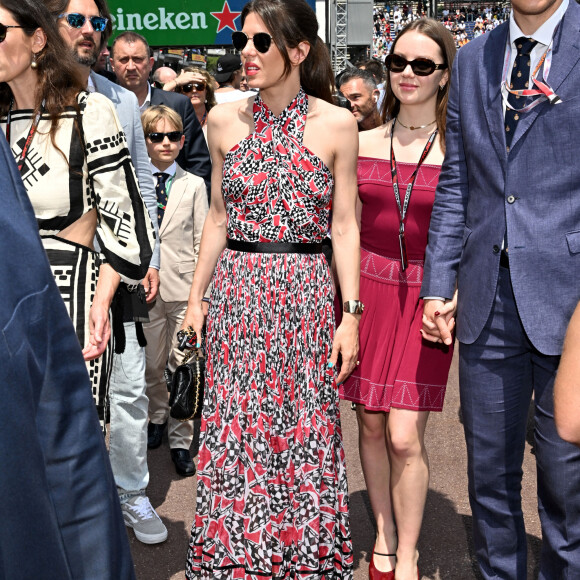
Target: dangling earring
(34, 64)
(441, 87)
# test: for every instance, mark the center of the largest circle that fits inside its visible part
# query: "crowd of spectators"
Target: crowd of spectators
(464, 20)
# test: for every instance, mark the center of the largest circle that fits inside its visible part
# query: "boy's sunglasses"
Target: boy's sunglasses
(198, 86)
(173, 136)
(262, 41)
(4, 29)
(422, 67)
(76, 20)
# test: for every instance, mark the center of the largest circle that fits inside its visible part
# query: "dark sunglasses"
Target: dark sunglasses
(262, 41)
(4, 29)
(173, 136)
(76, 20)
(199, 86)
(422, 67)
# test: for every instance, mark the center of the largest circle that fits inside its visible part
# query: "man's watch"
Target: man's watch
(353, 307)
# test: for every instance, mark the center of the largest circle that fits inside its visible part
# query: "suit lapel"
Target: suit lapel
(565, 55)
(491, 66)
(175, 195)
(156, 96)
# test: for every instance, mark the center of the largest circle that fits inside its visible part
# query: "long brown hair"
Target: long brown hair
(291, 22)
(444, 40)
(58, 83)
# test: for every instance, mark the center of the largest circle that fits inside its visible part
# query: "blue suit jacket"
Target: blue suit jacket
(533, 193)
(61, 518)
(127, 108)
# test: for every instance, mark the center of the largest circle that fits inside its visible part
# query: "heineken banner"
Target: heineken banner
(179, 22)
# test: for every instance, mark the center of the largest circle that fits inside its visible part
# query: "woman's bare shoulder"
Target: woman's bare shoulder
(372, 142)
(235, 112)
(331, 114)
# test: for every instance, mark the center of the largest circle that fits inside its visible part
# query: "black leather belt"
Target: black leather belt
(504, 260)
(274, 247)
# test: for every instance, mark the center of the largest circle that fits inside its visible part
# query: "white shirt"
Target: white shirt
(171, 170)
(91, 85)
(230, 96)
(147, 102)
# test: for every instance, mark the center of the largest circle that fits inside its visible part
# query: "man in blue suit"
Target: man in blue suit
(506, 229)
(60, 512)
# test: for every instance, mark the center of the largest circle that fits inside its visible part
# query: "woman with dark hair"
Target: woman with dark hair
(73, 159)
(272, 493)
(401, 377)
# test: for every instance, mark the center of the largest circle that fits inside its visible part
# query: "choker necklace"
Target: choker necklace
(411, 128)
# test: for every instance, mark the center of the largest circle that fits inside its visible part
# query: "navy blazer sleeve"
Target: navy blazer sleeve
(447, 227)
(194, 156)
(61, 518)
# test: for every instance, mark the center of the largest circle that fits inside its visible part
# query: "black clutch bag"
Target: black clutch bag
(187, 386)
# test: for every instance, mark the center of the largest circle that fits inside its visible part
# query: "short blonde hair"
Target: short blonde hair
(156, 113)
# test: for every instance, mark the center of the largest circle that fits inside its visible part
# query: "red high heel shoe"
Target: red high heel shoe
(375, 574)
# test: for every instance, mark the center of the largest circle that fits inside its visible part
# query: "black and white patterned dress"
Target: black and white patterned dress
(89, 168)
(272, 498)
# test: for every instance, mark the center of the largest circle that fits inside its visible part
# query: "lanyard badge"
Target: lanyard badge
(395, 181)
(543, 90)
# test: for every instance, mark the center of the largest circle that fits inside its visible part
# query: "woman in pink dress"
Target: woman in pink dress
(401, 377)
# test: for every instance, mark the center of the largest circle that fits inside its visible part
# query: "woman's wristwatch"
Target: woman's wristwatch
(353, 307)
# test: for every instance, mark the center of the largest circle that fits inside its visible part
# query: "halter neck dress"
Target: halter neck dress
(272, 497)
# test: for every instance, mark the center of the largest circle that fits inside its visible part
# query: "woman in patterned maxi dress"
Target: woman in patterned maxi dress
(272, 497)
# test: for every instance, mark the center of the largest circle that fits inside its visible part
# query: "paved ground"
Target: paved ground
(445, 552)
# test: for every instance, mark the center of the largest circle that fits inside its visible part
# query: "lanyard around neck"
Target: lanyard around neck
(395, 177)
(31, 132)
(544, 91)
(395, 181)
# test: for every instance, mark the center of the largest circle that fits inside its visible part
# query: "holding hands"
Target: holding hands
(439, 320)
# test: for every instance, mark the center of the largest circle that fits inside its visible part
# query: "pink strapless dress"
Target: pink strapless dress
(397, 367)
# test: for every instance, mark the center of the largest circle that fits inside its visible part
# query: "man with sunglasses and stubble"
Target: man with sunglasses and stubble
(85, 26)
(510, 243)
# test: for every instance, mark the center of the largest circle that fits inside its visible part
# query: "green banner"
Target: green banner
(179, 22)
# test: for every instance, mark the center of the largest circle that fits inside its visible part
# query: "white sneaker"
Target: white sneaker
(139, 514)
